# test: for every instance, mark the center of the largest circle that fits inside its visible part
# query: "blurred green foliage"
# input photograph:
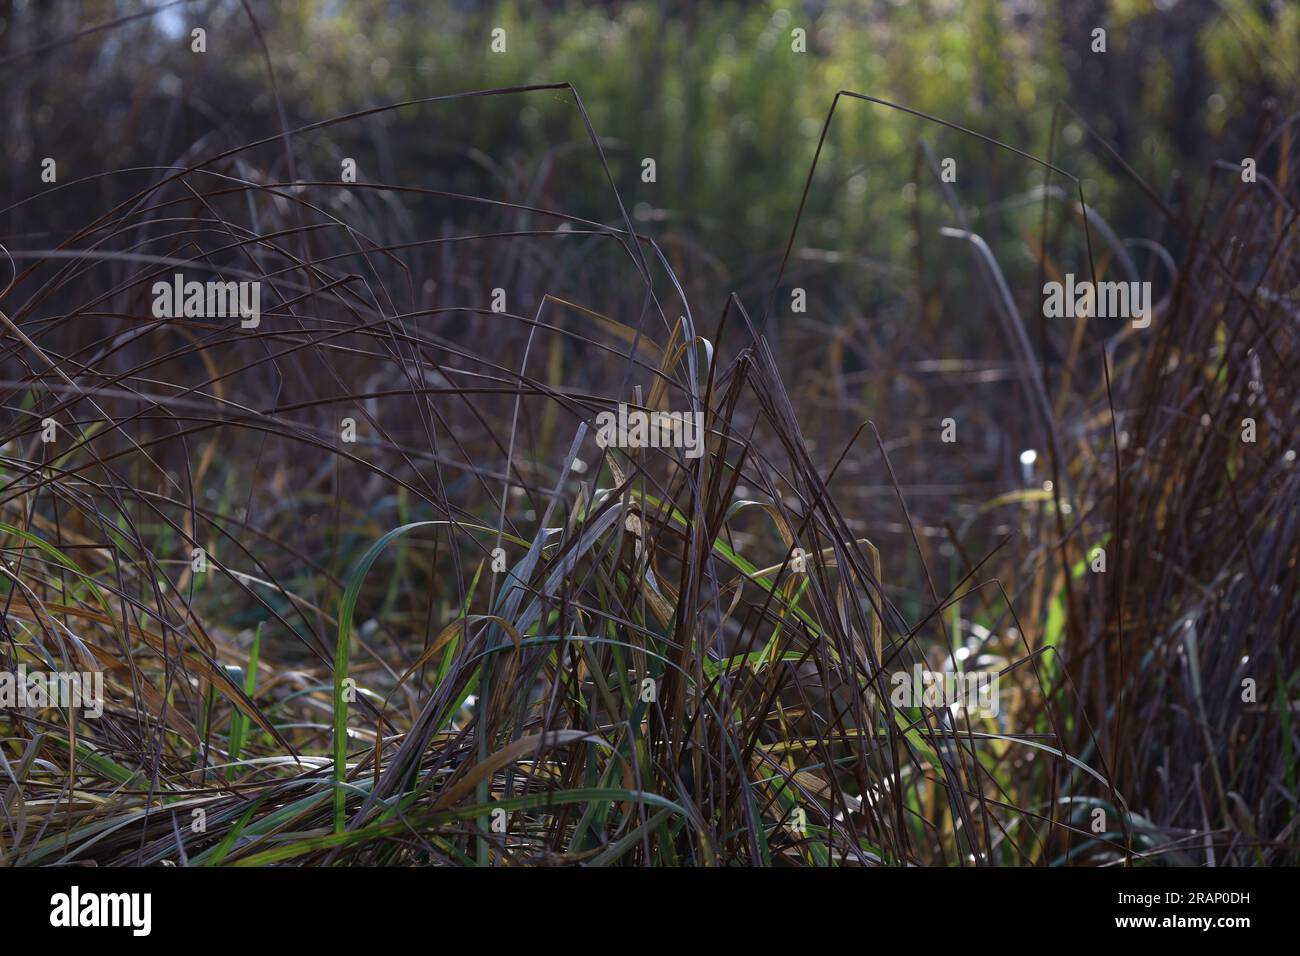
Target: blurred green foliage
(713, 92)
(716, 95)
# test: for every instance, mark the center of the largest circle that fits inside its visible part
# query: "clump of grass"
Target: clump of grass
(1189, 647)
(472, 636)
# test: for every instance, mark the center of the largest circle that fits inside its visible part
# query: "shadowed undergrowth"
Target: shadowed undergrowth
(473, 635)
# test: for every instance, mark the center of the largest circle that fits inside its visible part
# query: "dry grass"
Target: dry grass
(766, 733)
